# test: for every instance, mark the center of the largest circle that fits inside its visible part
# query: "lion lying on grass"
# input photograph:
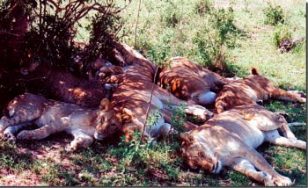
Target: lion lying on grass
(136, 92)
(251, 90)
(230, 139)
(127, 111)
(52, 116)
(189, 81)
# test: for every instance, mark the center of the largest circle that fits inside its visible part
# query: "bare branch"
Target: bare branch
(296, 124)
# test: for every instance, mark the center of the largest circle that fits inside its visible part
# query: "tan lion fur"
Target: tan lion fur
(189, 81)
(132, 97)
(250, 90)
(53, 116)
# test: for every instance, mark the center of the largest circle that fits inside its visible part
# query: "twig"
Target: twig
(149, 104)
(296, 124)
(9, 33)
(137, 22)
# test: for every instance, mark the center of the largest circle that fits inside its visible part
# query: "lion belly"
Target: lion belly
(249, 134)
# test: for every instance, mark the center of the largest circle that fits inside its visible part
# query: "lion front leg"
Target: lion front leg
(200, 112)
(258, 161)
(37, 134)
(277, 93)
(245, 167)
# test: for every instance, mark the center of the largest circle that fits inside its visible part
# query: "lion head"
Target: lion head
(107, 123)
(199, 154)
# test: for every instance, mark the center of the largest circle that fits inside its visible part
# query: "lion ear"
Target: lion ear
(128, 111)
(186, 138)
(105, 104)
(254, 71)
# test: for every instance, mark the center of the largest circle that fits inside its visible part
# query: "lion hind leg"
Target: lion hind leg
(81, 140)
(274, 138)
(245, 167)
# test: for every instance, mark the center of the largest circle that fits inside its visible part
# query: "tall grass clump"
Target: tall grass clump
(274, 15)
(161, 49)
(170, 16)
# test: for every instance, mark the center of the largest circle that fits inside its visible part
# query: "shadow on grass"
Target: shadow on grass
(11, 159)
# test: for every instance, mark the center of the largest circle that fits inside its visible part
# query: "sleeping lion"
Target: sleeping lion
(231, 138)
(53, 116)
(250, 90)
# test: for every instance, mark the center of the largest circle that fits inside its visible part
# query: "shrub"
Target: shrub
(223, 22)
(274, 15)
(105, 29)
(207, 46)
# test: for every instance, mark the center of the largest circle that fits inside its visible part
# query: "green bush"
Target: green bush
(214, 36)
(207, 46)
(223, 22)
(161, 50)
(274, 15)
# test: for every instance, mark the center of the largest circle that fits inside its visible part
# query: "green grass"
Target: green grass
(166, 29)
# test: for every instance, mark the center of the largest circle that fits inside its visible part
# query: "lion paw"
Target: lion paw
(302, 100)
(267, 179)
(24, 135)
(199, 111)
(282, 181)
(70, 148)
(300, 96)
(10, 137)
